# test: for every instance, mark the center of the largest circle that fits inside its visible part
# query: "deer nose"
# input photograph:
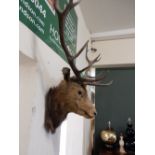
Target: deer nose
(95, 113)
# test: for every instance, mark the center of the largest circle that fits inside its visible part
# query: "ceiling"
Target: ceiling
(102, 16)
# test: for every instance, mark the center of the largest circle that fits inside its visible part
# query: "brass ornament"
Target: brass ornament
(109, 136)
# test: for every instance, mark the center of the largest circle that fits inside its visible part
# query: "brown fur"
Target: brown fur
(67, 97)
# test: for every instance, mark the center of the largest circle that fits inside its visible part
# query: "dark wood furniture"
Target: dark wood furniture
(114, 152)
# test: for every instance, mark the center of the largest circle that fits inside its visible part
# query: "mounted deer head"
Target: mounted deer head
(71, 94)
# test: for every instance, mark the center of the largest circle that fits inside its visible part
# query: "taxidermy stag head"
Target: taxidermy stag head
(71, 94)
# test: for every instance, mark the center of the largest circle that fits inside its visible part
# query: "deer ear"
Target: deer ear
(66, 73)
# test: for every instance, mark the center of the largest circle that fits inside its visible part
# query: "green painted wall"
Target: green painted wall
(115, 103)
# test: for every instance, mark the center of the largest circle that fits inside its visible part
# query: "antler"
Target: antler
(62, 14)
(94, 80)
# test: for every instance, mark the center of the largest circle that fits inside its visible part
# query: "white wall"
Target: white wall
(33, 139)
(120, 52)
(40, 68)
(27, 78)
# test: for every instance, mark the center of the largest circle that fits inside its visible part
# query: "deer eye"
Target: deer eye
(80, 92)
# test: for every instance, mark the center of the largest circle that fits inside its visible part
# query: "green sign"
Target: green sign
(41, 18)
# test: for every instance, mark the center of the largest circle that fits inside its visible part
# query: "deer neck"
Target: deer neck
(55, 112)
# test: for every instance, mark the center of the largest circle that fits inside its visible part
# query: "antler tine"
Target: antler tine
(87, 55)
(91, 63)
(81, 50)
(98, 84)
(96, 79)
(98, 58)
(69, 6)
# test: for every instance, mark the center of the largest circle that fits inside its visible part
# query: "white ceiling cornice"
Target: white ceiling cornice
(111, 35)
